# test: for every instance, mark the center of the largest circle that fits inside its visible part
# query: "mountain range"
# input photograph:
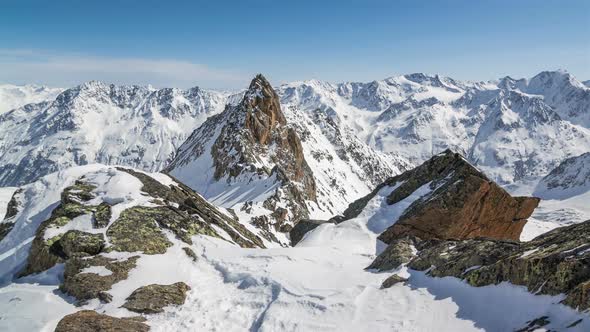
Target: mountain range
(307, 206)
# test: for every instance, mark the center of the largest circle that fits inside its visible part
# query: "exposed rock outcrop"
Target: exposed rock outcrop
(392, 280)
(399, 251)
(557, 262)
(89, 285)
(462, 203)
(152, 299)
(91, 321)
(46, 252)
(81, 234)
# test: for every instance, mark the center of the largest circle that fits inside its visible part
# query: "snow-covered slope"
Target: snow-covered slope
(570, 178)
(96, 122)
(14, 96)
(511, 128)
(321, 284)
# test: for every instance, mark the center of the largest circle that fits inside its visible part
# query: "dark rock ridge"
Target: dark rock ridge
(91, 321)
(462, 203)
(176, 208)
(252, 141)
(6, 224)
(557, 262)
(152, 299)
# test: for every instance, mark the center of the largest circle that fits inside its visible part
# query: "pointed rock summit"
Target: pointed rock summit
(250, 145)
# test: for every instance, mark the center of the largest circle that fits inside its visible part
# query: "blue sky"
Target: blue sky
(221, 44)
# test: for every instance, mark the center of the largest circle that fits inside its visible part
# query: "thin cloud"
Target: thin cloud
(43, 67)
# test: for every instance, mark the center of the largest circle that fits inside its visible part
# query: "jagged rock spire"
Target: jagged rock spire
(263, 109)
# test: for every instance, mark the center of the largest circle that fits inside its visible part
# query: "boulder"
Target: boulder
(191, 253)
(76, 242)
(400, 251)
(153, 298)
(91, 321)
(137, 229)
(392, 280)
(85, 286)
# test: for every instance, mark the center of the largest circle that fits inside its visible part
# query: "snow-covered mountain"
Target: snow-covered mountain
(96, 122)
(570, 178)
(278, 165)
(14, 96)
(510, 128)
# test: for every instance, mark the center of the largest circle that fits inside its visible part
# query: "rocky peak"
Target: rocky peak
(263, 110)
(251, 144)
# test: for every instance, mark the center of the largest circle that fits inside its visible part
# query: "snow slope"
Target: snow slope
(14, 96)
(319, 285)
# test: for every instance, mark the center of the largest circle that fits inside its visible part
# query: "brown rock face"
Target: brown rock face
(257, 128)
(263, 110)
(91, 321)
(464, 204)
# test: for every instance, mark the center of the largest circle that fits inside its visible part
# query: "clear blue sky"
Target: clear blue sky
(220, 44)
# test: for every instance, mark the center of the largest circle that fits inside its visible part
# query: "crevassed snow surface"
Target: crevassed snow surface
(318, 285)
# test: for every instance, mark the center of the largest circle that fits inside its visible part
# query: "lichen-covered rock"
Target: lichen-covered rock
(398, 252)
(454, 258)
(102, 215)
(45, 253)
(91, 321)
(137, 229)
(557, 262)
(198, 214)
(85, 286)
(153, 298)
(190, 253)
(392, 280)
(75, 242)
